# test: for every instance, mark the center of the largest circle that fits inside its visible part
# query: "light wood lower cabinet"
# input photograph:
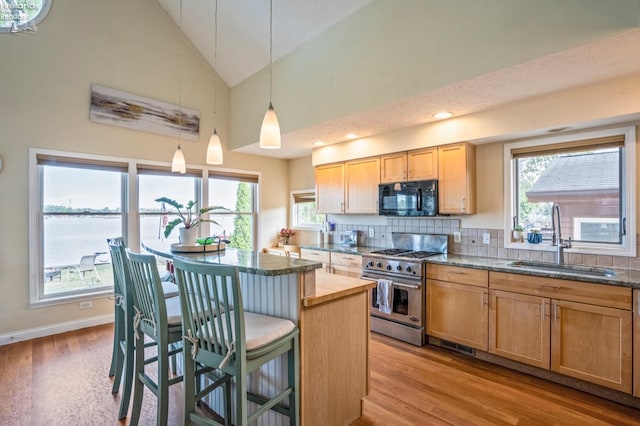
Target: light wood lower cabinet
(321, 256)
(636, 343)
(588, 327)
(346, 264)
(519, 327)
(458, 313)
(592, 343)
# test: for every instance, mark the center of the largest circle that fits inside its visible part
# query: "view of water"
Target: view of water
(68, 238)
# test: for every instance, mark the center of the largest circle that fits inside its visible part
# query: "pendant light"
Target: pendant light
(214, 149)
(178, 163)
(270, 131)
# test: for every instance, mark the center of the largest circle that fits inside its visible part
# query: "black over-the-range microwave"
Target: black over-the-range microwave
(417, 198)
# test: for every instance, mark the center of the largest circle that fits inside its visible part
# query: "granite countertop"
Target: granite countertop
(246, 260)
(622, 278)
(340, 248)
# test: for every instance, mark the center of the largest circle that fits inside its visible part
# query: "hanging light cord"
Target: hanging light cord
(215, 63)
(180, 79)
(270, 49)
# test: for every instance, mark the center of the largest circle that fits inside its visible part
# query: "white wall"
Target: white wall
(44, 102)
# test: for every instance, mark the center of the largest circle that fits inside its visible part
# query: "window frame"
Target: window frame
(37, 297)
(628, 185)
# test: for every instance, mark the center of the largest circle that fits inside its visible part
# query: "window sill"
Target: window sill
(70, 298)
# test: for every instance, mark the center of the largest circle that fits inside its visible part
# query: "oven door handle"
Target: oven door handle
(409, 286)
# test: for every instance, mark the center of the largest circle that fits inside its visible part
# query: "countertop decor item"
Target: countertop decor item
(534, 237)
(190, 219)
(517, 233)
(285, 236)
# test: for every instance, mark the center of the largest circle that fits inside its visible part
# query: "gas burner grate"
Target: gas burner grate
(390, 252)
(420, 254)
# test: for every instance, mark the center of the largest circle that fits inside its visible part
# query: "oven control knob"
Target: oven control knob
(409, 269)
(399, 268)
(388, 267)
(370, 264)
(379, 265)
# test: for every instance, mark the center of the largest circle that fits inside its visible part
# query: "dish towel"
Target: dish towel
(385, 296)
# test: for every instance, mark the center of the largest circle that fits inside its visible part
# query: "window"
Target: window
(19, 15)
(589, 176)
(304, 212)
(153, 183)
(77, 201)
(237, 194)
(80, 203)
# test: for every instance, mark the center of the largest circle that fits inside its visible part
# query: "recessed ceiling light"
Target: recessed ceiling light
(350, 136)
(318, 143)
(443, 114)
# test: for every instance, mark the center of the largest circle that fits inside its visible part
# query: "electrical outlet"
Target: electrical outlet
(86, 304)
(457, 237)
(486, 238)
(372, 233)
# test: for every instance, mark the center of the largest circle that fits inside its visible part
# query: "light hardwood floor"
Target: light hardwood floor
(62, 380)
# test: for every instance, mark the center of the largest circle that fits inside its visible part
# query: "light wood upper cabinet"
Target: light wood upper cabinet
(636, 343)
(393, 167)
(362, 178)
(519, 327)
(457, 178)
(330, 188)
(458, 308)
(422, 164)
(592, 343)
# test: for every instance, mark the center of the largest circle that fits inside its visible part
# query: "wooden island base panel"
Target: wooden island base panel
(334, 350)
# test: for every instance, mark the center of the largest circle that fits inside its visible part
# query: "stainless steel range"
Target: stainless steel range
(401, 275)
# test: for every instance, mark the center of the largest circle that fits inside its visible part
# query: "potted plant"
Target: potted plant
(535, 236)
(517, 233)
(190, 220)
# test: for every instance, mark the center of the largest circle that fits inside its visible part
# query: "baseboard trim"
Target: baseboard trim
(34, 333)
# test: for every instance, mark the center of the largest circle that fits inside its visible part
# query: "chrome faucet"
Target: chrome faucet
(556, 237)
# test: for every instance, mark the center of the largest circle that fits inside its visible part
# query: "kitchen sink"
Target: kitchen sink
(567, 269)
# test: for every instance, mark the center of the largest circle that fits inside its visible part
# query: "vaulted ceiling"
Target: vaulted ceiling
(243, 51)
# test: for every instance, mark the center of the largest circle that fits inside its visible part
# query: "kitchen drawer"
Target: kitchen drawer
(457, 274)
(343, 259)
(316, 255)
(575, 291)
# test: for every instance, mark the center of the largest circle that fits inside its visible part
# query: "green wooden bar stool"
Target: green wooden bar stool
(122, 356)
(233, 341)
(159, 320)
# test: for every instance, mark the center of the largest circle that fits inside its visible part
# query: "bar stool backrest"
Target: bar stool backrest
(213, 292)
(148, 299)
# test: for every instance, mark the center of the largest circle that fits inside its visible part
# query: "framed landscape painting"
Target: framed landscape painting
(110, 106)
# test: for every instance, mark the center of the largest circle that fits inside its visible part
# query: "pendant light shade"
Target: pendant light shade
(270, 131)
(178, 163)
(214, 150)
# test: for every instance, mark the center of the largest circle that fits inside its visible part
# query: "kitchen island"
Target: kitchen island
(332, 313)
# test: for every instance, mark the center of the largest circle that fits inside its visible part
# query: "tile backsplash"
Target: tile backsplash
(471, 242)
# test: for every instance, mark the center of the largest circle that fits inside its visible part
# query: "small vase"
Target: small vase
(188, 236)
(517, 236)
